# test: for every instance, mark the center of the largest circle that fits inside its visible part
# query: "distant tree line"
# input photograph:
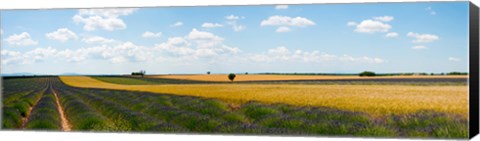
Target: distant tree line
(368, 73)
(231, 76)
(295, 73)
(141, 73)
(422, 73)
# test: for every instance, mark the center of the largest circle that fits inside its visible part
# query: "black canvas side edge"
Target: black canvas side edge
(473, 71)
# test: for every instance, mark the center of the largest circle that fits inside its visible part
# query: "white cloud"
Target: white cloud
(131, 51)
(238, 28)
(204, 39)
(281, 7)
(62, 35)
(149, 34)
(430, 11)
(79, 55)
(454, 59)
(371, 26)
(10, 57)
(118, 60)
(93, 22)
(177, 24)
(23, 39)
(282, 29)
(281, 50)
(177, 41)
(119, 53)
(283, 54)
(107, 19)
(176, 46)
(287, 21)
(29, 57)
(38, 54)
(96, 39)
(391, 35)
(233, 17)
(211, 25)
(351, 23)
(232, 20)
(374, 25)
(113, 13)
(201, 35)
(1, 31)
(422, 38)
(419, 47)
(384, 18)
(124, 52)
(196, 44)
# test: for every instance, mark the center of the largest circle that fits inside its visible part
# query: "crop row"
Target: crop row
(15, 89)
(18, 101)
(45, 115)
(110, 116)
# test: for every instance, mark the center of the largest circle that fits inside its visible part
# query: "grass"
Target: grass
(373, 99)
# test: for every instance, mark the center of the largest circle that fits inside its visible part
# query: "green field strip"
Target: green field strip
(125, 80)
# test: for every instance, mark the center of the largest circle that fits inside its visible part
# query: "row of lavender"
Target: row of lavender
(29, 103)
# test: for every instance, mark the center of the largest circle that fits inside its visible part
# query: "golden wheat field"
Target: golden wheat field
(224, 78)
(373, 99)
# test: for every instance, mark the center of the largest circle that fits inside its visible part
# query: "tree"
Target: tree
(208, 72)
(457, 73)
(231, 76)
(142, 72)
(367, 73)
(246, 73)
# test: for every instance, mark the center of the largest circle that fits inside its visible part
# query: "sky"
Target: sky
(319, 38)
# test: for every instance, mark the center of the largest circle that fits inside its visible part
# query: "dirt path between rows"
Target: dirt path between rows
(25, 119)
(64, 121)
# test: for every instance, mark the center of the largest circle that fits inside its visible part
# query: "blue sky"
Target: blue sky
(323, 38)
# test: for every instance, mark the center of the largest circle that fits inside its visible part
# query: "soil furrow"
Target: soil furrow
(25, 119)
(64, 121)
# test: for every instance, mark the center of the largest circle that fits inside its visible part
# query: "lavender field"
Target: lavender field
(130, 111)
